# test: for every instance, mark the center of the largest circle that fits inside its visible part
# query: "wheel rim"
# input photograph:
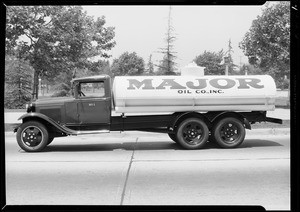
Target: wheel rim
(32, 136)
(192, 133)
(229, 132)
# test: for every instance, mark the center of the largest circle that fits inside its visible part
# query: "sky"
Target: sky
(142, 29)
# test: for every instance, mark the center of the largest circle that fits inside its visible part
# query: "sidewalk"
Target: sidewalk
(12, 117)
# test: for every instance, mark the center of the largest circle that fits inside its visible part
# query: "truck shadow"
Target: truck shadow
(163, 145)
(249, 143)
(127, 146)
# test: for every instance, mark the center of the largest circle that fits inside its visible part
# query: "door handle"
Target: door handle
(92, 104)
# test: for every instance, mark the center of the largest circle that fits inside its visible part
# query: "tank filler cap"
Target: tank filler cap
(192, 69)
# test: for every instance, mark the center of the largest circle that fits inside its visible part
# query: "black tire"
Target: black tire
(192, 133)
(173, 137)
(32, 136)
(229, 132)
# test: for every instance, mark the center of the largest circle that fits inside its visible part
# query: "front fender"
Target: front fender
(42, 117)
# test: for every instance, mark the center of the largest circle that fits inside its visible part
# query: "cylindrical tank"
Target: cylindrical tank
(153, 94)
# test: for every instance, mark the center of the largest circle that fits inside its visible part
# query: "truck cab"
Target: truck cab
(88, 110)
(91, 106)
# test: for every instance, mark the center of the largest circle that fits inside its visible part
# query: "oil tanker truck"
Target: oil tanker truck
(192, 110)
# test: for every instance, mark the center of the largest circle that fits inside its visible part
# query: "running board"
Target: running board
(69, 131)
(90, 132)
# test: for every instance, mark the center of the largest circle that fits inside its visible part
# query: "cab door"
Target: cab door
(94, 106)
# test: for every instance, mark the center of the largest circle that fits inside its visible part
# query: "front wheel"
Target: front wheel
(192, 133)
(32, 136)
(229, 132)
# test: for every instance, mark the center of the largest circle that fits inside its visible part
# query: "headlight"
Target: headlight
(30, 108)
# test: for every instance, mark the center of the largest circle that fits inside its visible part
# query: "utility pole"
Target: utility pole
(228, 59)
(240, 62)
(40, 84)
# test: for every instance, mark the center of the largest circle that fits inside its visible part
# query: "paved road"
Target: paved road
(135, 168)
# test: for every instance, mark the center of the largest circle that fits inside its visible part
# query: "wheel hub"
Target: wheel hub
(192, 133)
(32, 136)
(230, 132)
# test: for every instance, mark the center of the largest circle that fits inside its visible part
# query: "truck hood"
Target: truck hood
(52, 107)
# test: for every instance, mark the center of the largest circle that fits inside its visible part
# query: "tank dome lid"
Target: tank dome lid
(192, 69)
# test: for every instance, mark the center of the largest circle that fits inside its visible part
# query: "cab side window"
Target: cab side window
(91, 90)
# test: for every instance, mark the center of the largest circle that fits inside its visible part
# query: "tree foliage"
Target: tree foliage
(100, 67)
(166, 66)
(18, 82)
(212, 62)
(267, 43)
(128, 64)
(248, 69)
(62, 85)
(55, 39)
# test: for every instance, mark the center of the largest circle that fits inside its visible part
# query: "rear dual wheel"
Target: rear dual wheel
(192, 133)
(228, 132)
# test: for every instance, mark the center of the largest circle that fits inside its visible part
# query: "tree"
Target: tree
(228, 61)
(167, 66)
(55, 39)
(150, 66)
(267, 43)
(100, 67)
(128, 64)
(212, 62)
(18, 81)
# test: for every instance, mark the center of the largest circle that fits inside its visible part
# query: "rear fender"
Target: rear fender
(239, 116)
(179, 118)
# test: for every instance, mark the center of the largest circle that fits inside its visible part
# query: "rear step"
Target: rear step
(274, 120)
